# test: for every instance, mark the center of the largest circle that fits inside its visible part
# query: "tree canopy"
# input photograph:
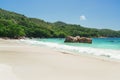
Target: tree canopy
(14, 25)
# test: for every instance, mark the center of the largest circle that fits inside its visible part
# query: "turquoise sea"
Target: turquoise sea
(104, 47)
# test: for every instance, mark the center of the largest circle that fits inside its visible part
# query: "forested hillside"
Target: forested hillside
(14, 25)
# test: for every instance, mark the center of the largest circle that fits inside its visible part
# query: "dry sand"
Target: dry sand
(20, 61)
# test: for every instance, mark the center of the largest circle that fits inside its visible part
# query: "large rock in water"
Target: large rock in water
(78, 39)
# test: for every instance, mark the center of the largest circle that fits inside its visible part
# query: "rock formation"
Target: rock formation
(78, 39)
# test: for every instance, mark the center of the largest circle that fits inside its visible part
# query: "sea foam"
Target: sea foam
(109, 53)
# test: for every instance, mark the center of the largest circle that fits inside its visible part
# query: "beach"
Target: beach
(20, 61)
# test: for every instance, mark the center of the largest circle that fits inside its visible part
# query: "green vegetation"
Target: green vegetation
(14, 25)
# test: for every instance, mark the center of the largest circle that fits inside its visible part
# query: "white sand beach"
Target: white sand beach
(20, 61)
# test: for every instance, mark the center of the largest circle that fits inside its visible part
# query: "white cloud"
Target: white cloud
(82, 18)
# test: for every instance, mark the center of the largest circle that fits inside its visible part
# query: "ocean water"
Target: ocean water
(103, 47)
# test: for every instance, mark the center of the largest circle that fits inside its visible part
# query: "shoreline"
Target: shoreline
(17, 41)
(63, 52)
(104, 56)
(26, 62)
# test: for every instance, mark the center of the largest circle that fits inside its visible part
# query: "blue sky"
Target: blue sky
(89, 13)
